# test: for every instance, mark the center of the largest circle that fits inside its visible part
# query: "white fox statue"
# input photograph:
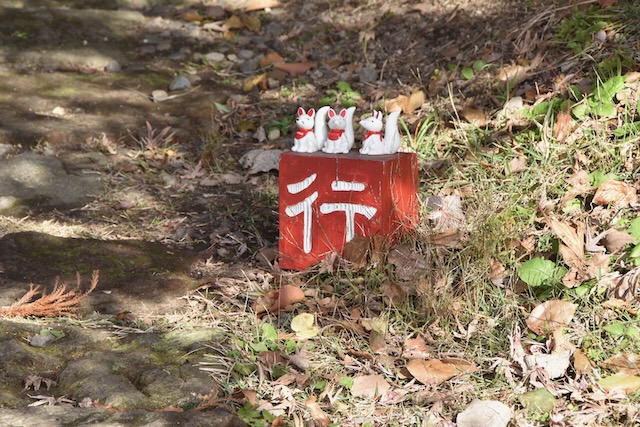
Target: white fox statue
(373, 143)
(312, 130)
(341, 137)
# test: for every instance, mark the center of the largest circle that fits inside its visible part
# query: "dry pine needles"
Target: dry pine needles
(61, 301)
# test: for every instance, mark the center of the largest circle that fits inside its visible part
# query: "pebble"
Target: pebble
(232, 57)
(250, 65)
(164, 46)
(273, 134)
(214, 57)
(367, 74)
(274, 29)
(113, 67)
(5, 149)
(159, 95)
(215, 12)
(42, 340)
(179, 82)
(273, 83)
(149, 48)
(245, 54)
(8, 202)
(178, 56)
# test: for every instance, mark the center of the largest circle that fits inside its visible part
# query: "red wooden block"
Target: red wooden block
(327, 199)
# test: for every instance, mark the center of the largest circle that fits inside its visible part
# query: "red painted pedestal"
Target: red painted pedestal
(327, 199)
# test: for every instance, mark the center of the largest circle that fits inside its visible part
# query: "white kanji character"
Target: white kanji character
(303, 207)
(350, 209)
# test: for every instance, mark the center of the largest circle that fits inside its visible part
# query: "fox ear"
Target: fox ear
(343, 113)
(300, 111)
(311, 112)
(331, 113)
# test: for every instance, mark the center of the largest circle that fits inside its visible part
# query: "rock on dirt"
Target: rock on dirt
(41, 183)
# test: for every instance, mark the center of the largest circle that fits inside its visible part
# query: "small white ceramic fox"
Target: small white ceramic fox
(341, 137)
(312, 130)
(373, 143)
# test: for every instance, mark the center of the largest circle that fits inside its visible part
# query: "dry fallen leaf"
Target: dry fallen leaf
(431, 372)
(614, 192)
(551, 315)
(498, 272)
(295, 68)
(555, 364)
(254, 5)
(624, 363)
(462, 366)
(377, 342)
(369, 386)
(415, 101)
(475, 116)
(607, 3)
(485, 413)
(270, 59)
(563, 126)
(581, 363)
(572, 248)
(304, 325)
(416, 348)
(256, 81)
(233, 23)
(356, 251)
(517, 164)
(616, 240)
(623, 288)
(620, 383)
(252, 22)
(320, 418)
(288, 295)
(450, 52)
(425, 8)
(407, 104)
(191, 16)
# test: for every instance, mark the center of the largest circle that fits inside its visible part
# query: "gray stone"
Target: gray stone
(367, 74)
(42, 183)
(42, 339)
(273, 134)
(249, 65)
(58, 416)
(246, 54)
(164, 46)
(159, 95)
(180, 82)
(274, 29)
(148, 48)
(215, 12)
(113, 67)
(214, 57)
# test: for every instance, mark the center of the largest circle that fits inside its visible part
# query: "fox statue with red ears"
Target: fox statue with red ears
(373, 143)
(312, 130)
(340, 138)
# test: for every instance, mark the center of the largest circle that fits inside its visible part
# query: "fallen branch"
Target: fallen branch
(61, 301)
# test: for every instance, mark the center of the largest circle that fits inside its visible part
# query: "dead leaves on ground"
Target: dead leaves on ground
(434, 371)
(551, 315)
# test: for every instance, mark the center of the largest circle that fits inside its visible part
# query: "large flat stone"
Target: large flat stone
(32, 182)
